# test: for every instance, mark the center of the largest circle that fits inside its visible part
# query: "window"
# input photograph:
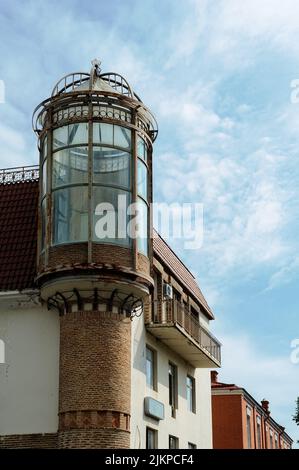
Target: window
(151, 381)
(248, 426)
(142, 179)
(151, 438)
(111, 167)
(70, 214)
(141, 149)
(271, 439)
(190, 386)
(142, 190)
(276, 441)
(70, 166)
(258, 432)
(173, 442)
(111, 177)
(194, 313)
(110, 217)
(192, 446)
(142, 241)
(70, 135)
(122, 137)
(173, 391)
(44, 177)
(102, 133)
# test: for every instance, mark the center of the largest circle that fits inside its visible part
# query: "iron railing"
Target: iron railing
(19, 174)
(173, 312)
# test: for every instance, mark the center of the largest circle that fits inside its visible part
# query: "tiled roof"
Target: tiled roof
(163, 251)
(18, 240)
(18, 235)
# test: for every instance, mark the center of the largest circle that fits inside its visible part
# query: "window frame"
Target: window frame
(259, 431)
(154, 385)
(191, 445)
(175, 440)
(173, 387)
(154, 432)
(191, 406)
(248, 427)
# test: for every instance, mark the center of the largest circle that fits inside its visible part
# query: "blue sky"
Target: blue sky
(217, 76)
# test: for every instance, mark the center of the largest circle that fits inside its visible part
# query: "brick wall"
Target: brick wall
(94, 439)
(76, 253)
(95, 380)
(29, 441)
(227, 422)
(112, 254)
(67, 254)
(143, 264)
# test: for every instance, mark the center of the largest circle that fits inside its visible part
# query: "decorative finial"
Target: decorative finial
(96, 65)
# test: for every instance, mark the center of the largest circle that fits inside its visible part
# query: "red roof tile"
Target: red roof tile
(163, 251)
(18, 235)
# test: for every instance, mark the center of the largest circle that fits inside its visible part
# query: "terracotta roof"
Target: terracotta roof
(163, 251)
(18, 235)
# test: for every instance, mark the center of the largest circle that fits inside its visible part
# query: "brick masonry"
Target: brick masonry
(67, 254)
(95, 380)
(76, 253)
(94, 438)
(227, 422)
(29, 441)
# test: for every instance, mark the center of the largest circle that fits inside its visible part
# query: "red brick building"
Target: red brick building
(240, 422)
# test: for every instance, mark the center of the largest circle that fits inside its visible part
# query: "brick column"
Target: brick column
(95, 380)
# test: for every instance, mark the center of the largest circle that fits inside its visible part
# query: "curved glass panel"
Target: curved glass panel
(78, 133)
(110, 219)
(111, 134)
(45, 147)
(122, 137)
(141, 149)
(142, 179)
(142, 227)
(102, 133)
(70, 135)
(60, 137)
(70, 166)
(70, 215)
(111, 166)
(44, 178)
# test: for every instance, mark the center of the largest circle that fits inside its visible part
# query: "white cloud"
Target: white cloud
(245, 205)
(15, 151)
(235, 31)
(285, 274)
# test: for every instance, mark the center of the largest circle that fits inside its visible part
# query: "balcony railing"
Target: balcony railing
(168, 313)
(19, 174)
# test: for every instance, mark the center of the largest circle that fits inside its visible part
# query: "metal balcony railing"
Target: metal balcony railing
(173, 312)
(19, 174)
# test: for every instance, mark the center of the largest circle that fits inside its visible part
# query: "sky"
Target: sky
(217, 75)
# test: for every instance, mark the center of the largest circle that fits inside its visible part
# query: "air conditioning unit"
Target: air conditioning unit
(167, 291)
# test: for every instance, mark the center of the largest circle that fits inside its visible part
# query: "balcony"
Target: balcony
(175, 326)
